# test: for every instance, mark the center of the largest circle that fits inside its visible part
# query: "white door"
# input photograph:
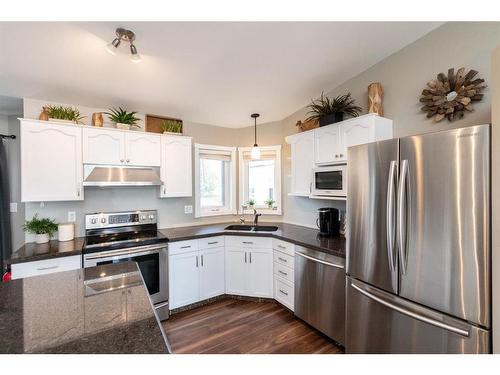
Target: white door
(183, 279)
(142, 149)
(101, 146)
(302, 148)
(260, 273)
(356, 132)
(51, 162)
(212, 273)
(327, 145)
(176, 166)
(236, 271)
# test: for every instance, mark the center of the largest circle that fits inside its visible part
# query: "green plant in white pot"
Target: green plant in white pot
(123, 119)
(43, 229)
(269, 202)
(251, 203)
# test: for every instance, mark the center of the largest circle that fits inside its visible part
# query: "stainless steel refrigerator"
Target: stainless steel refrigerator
(418, 244)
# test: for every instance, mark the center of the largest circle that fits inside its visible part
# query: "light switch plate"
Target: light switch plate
(71, 216)
(188, 209)
(13, 207)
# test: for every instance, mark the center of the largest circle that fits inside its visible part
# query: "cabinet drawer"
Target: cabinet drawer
(284, 292)
(210, 242)
(44, 267)
(253, 242)
(284, 259)
(284, 272)
(181, 247)
(285, 247)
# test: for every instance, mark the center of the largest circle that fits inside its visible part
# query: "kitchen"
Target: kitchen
(161, 248)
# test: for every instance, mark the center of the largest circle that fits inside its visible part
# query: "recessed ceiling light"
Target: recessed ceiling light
(126, 36)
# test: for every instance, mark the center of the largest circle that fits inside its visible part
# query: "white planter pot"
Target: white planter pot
(119, 125)
(61, 121)
(42, 238)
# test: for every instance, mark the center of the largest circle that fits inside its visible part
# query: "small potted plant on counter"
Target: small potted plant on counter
(328, 111)
(62, 114)
(123, 119)
(251, 203)
(270, 203)
(43, 229)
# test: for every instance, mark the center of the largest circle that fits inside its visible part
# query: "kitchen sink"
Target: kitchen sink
(252, 228)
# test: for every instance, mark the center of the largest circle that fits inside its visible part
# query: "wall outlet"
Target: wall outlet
(71, 216)
(188, 209)
(13, 207)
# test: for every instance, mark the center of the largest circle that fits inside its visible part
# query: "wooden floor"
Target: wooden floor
(238, 326)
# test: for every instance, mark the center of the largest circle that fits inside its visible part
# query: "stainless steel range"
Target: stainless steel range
(130, 236)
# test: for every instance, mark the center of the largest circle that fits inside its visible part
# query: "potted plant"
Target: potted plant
(251, 203)
(172, 127)
(328, 111)
(122, 118)
(269, 202)
(63, 114)
(43, 229)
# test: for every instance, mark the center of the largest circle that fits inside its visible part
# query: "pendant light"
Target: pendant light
(255, 154)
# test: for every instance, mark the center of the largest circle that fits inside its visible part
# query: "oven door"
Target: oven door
(152, 261)
(330, 181)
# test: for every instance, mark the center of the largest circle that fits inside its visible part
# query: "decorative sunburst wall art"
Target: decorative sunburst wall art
(451, 95)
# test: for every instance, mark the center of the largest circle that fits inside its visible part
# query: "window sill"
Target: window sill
(215, 213)
(263, 211)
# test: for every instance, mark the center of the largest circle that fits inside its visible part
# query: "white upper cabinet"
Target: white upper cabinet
(302, 152)
(142, 149)
(101, 146)
(327, 144)
(51, 162)
(176, 166)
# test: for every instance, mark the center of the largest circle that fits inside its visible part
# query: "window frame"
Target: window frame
(230, 183)
(243, 176)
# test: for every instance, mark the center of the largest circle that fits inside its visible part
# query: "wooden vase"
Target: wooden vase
(44, 115)
(97, 119)
(375, 93)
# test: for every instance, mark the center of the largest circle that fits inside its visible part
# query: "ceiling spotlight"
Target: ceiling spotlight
(126, 36)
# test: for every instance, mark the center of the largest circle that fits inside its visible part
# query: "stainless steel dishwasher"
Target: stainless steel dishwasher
(320, 291)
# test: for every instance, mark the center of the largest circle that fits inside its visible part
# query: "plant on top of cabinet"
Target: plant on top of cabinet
(122, 118)
(61, 113)
(43, 229)
(328, 111)
(170, 126)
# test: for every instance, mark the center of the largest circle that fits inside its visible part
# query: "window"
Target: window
(260, 180)
(215, 180)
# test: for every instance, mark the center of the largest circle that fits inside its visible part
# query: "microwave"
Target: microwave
(330, 181)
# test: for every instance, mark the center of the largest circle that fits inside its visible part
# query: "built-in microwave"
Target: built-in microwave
(330, 181)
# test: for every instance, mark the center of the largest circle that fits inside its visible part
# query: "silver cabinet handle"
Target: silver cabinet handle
(281, 246)
(412, 314)
(202, 260)
(285, 293)
(390, 213)
(128, 160)
(245, 256)
(250, 257)
(319, 260)
(213, 243)
(402, 213)
(47, 268)
(283, 273)
(282, 259)
(197, 261)
(78, 191)
(247, 242)
(185, 247)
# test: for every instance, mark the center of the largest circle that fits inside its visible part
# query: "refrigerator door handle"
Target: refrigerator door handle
(412, 314)
(401, 215)
(390, 214)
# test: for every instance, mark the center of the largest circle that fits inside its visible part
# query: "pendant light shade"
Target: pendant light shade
(255, 153)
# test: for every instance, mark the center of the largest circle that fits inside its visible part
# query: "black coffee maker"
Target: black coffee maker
(328, 221)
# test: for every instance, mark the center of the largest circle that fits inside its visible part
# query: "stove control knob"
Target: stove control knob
(143, 217)
(151, 217)
(103, 220)
(93, 221)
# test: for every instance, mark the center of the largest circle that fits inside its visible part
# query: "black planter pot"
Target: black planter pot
(331, 118)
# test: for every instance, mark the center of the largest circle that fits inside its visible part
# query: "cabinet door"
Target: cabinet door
(302, 149)
(51, 162)
(176, 166)
(327, 145)
(101, 146)
(183, 279)
(212, 273)
(356, 132)
(260, 273)
(236, 271)
(142, 149)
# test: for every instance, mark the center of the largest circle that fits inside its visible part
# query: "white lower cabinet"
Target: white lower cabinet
(260, 273)
(236, 271)
(212, 273)
(284, 273)
(44, 267)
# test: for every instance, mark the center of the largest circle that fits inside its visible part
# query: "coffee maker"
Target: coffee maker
(328, 221)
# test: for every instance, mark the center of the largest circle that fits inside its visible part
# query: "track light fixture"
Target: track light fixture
(126, 36)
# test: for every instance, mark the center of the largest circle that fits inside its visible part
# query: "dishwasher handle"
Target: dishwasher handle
(319, 260)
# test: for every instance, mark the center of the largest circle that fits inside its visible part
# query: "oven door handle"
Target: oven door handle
(135, 251)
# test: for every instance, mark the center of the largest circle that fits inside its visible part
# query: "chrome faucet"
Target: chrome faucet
(256, 217)
(242, 216)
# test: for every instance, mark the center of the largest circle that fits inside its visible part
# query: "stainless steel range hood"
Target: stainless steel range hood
(97, 175)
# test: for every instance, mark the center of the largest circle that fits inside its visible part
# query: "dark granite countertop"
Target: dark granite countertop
(104, 309)
(32, 251)
(296, 234)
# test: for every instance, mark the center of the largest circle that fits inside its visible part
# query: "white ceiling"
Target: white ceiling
(214, 73)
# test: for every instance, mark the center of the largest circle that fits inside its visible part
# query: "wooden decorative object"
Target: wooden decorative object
(154, 124)
(375, 93)
(452, 94)
(97, 119)
(44, 115)
(306, 125)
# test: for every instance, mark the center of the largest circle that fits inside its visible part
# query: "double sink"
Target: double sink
(252, 228)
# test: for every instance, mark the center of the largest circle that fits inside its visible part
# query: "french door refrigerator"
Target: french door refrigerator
(418, 258)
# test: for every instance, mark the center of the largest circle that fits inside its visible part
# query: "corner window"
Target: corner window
(260, 180)
(215, 180)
